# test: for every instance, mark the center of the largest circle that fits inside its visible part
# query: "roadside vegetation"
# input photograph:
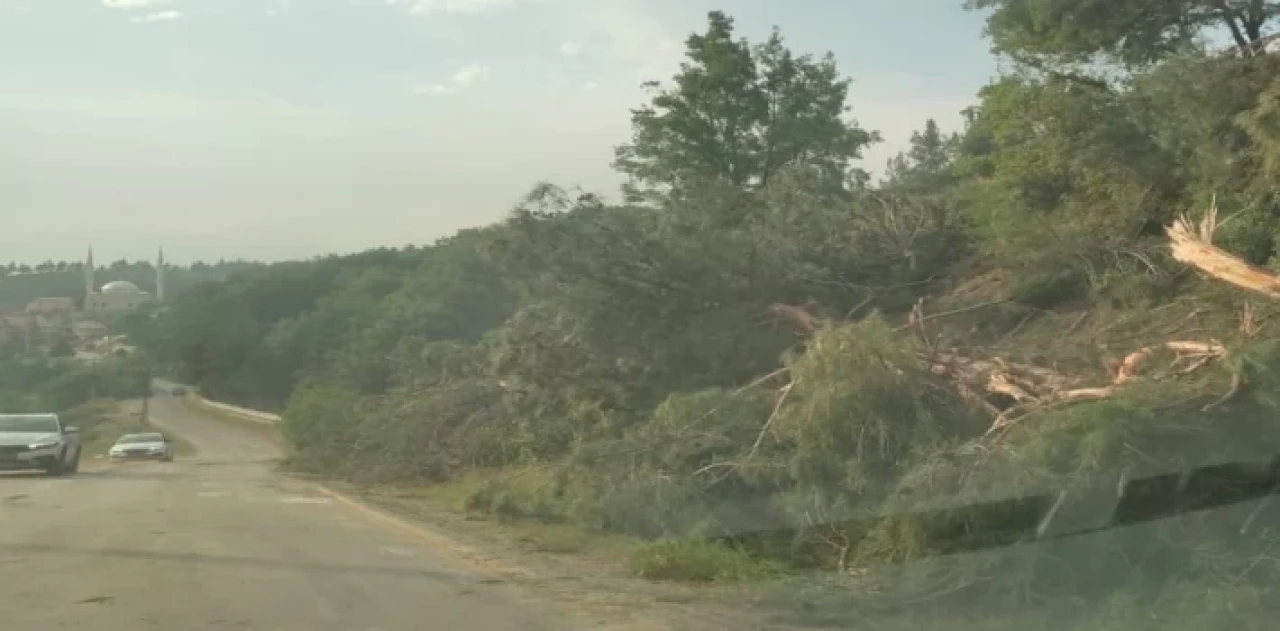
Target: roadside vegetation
(36, 383)
(88, 396)
(760, 345)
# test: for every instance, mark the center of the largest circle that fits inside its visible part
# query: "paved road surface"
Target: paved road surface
(219, 541)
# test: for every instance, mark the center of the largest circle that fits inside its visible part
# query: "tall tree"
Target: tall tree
(1131, 32)
(737, 114)
(1061, 177)
(925, 167)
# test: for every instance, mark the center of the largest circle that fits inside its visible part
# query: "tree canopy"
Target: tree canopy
(1131, 32)
(738, 114)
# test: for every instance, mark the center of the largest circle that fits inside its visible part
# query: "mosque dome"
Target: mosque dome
(120, 287)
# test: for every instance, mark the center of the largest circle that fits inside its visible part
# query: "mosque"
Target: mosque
(118, 296)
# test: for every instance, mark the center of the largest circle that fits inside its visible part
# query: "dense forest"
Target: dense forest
(760, 338)
(20, 284)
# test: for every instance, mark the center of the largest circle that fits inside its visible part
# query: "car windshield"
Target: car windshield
(140, 438)
(904, 315)
(28, 423)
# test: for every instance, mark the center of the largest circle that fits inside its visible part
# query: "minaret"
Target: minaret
(88, 278)
(160, 277)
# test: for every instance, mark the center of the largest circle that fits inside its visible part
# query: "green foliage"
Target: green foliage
(1262, 124)
(1133, 32)
(926, 168)
(698, 561)
(55, 385)
(252, 339)
(318, 425)
(1047, 290)
(863, 403)
(738, 114)
(1066, 180)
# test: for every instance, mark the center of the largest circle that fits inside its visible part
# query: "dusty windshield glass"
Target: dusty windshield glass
(948, 315)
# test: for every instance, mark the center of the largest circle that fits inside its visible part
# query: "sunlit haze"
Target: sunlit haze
(271, 129)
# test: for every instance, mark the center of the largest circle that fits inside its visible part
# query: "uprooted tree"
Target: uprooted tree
(1010, 391)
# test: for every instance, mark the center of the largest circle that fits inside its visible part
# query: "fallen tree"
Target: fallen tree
(1010, 391)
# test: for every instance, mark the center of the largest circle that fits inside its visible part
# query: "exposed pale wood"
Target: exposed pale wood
(1192, 243)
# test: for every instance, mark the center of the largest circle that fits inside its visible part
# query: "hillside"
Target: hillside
(760, 345)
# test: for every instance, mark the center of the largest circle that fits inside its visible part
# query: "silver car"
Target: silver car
(148, 446)
(38, 441)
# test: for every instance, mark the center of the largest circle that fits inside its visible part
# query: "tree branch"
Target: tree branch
(755, 447)
(1229, 16)
(1255, 17)
(1069, 77)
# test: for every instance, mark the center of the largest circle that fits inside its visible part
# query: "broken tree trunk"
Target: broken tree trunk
(1192, 244)
(1027, 389)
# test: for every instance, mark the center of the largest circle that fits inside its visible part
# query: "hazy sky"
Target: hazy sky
(284, 128)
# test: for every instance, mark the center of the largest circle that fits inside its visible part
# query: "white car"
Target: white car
(38, 441)
(148, 446)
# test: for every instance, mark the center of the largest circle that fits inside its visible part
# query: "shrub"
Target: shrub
(698, 561)
(1047, 290)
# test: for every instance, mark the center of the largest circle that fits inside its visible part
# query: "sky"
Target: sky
(277, 129)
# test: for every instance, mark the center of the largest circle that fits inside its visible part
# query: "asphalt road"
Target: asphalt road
(221, 541)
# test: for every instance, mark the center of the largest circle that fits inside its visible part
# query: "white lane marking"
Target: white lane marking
(400, 552)
(211, 493)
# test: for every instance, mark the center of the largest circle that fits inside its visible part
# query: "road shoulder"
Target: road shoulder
(583, 575)
(587, 579)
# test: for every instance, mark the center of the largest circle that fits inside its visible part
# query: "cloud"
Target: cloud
(135, 4)
(277, 6)
(590, 86)
(571, 48)
(470, 74)
(159, 16)
(463, 77)
(431, 7)
(630, 33)
(436, 89)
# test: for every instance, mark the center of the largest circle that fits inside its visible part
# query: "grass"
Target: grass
(472, 497)
(535, 535)
(699, 562)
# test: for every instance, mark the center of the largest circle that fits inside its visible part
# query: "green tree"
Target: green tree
(1262, 123)
(1131, 32)
(1061, 178)
(737, 114)
(926, 167)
